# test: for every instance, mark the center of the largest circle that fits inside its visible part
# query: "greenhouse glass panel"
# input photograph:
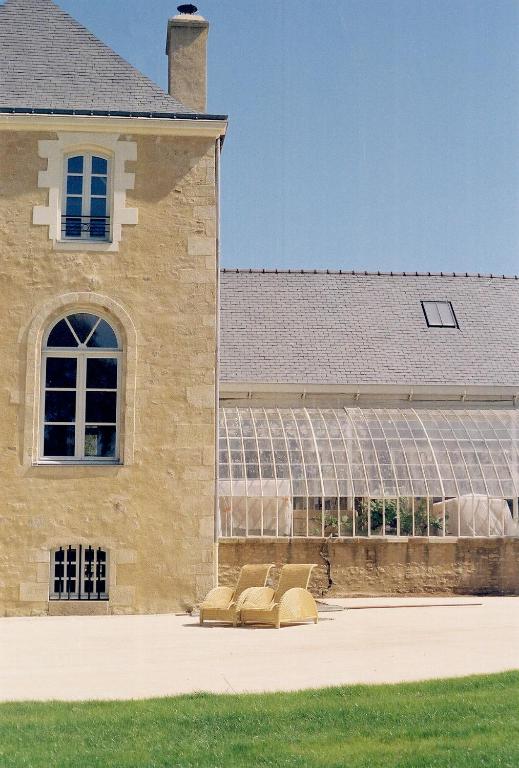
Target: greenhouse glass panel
(270, 517)
(346, 515)
(300, 516)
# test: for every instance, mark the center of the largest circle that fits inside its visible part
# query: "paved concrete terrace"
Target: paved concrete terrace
(377, 640)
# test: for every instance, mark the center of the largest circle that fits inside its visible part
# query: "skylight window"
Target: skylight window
(439, 314)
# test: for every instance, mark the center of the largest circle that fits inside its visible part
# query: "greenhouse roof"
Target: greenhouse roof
(348, 328)
(380, 453)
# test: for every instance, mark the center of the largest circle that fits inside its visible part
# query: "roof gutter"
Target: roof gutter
(410, 392)
(111, 113)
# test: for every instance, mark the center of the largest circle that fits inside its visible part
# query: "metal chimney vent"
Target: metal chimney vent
(189, 9)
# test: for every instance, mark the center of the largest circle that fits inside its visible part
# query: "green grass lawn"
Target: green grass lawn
(449, 723)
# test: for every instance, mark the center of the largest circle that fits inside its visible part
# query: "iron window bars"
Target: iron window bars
(97, 227)
(79, 573)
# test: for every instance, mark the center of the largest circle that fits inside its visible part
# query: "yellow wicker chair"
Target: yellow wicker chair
(220, 604)
(290, 603)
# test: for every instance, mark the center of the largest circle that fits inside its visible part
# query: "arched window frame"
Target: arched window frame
(83, 231)
(31, 338)
(82, 354)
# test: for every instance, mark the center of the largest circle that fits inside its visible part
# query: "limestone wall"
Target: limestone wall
(154, 513)
(361, 567)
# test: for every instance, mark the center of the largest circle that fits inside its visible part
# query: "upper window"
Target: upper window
(80, 390)
(439, 314)
(86, 190)
(86, 200)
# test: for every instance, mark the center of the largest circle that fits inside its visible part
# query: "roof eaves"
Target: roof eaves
(111, 113)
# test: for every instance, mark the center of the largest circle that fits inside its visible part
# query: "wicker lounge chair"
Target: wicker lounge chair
(290, 603)
(220, 604)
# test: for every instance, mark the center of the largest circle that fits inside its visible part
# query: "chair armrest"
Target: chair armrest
(297, 603)
(219, 597)
(255, 597)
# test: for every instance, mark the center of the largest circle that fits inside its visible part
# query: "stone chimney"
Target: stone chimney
(186, 48)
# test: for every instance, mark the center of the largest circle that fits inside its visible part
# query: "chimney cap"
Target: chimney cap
(187, 9)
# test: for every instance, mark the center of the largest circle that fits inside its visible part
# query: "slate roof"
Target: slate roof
(48, 61)
(361, 328)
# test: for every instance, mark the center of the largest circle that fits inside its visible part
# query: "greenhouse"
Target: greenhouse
(384, 472)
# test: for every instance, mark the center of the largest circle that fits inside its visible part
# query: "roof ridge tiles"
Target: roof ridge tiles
(368, 273)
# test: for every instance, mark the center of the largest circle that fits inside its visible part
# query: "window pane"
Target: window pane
(99, 228)
(72, 227)
(98, 206)
(361, 516)
(377, 516)
(74, 185)
(101, 373)
(82, 323)
(61, 372)
(101, 406)
(73, 206)
(75, 164)
(99, 165)
(59, 441)
(446, 314)
(60, 406)
(100, 441)
(98, 186)
(59, 556)
(61, 336)
(431, 310)
(103, 337)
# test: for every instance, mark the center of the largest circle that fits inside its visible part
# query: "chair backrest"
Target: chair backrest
(294, 575)
(254, 575)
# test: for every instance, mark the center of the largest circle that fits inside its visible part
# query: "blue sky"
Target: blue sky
(364, 134)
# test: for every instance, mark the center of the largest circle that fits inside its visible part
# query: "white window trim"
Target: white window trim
(81, 354)
(52, 179)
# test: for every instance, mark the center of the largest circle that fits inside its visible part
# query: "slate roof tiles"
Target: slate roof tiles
(49, 61)
(306, 328)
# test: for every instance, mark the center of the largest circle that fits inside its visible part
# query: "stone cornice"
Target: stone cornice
(155, 126)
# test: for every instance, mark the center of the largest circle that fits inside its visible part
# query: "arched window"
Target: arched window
(86, 203)
(81, 361)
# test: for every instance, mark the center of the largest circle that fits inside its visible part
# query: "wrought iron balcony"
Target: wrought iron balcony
(85, 227)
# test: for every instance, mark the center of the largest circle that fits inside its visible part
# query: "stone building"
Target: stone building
(165, 421)
(108, 254)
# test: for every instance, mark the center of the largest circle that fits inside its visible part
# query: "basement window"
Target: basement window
(439, 314)
(79, 573)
